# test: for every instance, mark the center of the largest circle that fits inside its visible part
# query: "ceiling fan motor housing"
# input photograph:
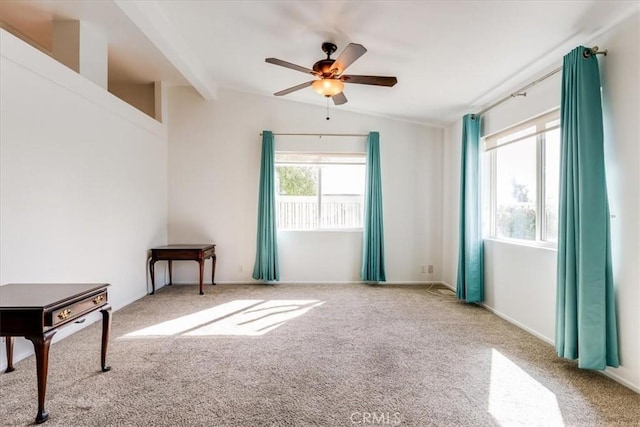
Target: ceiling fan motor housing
(323, 66)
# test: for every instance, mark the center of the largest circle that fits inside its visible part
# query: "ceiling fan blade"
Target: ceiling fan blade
(339, 98)
(370, 80)
(276, 61)
(294, 88)
(348, 56)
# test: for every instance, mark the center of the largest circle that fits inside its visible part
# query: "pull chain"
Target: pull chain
(327, 108)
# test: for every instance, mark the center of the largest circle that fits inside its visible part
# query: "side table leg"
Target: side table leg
(106, 329)
(213, 269)
(153, 277)
(41, 346)
(201, 262)
(9, 346)
(170, 273)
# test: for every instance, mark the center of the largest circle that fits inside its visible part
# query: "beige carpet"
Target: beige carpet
(304, 355)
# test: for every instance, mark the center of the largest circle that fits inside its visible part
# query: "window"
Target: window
(522, 175)
(319, 191)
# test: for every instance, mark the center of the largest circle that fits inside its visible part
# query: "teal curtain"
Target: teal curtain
(373, 235)
(470, 284)
(266, 266)
(585, 304)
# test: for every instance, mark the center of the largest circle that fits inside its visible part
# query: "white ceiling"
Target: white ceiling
(450, 57)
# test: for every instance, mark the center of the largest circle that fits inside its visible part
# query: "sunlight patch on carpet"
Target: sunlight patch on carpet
(239, 317)
(516, 398)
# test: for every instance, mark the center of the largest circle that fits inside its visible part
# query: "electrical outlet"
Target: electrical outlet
(431, 269)
(423, 269)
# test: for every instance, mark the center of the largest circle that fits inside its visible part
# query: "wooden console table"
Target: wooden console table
(171, 253)
(37, 311)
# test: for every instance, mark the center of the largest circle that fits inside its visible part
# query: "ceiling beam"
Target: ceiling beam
(152, 22)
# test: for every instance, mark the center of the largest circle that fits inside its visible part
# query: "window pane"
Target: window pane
(297, 197)
(516, 190)
(552, 183)
(342, 197)
(485, 169)
(319, 191)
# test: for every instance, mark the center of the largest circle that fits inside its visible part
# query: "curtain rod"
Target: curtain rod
(320, 134)
(521, 92)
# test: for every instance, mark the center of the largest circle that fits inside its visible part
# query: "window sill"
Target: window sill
(323, 230)
(530, 244)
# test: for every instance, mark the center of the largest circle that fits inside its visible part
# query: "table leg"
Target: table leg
(106, 329)
(9, 345)
(201, 262)
(153, 278)
(213, 269)
(170, 273)
(41, 344)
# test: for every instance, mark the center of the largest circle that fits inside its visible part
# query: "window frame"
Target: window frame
(491, 147)
(321, 159)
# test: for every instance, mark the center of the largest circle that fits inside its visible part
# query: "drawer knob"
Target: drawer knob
(64, 314)
(98, 299)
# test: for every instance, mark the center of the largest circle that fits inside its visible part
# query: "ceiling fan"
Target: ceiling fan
(330, 73)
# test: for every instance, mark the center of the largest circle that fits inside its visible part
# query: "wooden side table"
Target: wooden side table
(37, 311)
(195, 252)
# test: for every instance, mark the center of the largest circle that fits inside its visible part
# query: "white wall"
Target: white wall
(214, 155)
(451, 201)
(620, 73)
(520, 281)
(83, 191)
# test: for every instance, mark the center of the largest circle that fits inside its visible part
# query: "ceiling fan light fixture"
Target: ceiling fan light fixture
(328, 87)
(329, 77)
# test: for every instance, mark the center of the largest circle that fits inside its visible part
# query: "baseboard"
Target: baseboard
(606, 373)
(507, 318)
(312, 282)
(518, 324)
(397, 282)
(616, 378)
(453, 288)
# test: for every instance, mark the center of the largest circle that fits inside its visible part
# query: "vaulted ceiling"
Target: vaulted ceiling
(450, 57)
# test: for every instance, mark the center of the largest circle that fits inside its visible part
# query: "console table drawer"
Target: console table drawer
(75, 310)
